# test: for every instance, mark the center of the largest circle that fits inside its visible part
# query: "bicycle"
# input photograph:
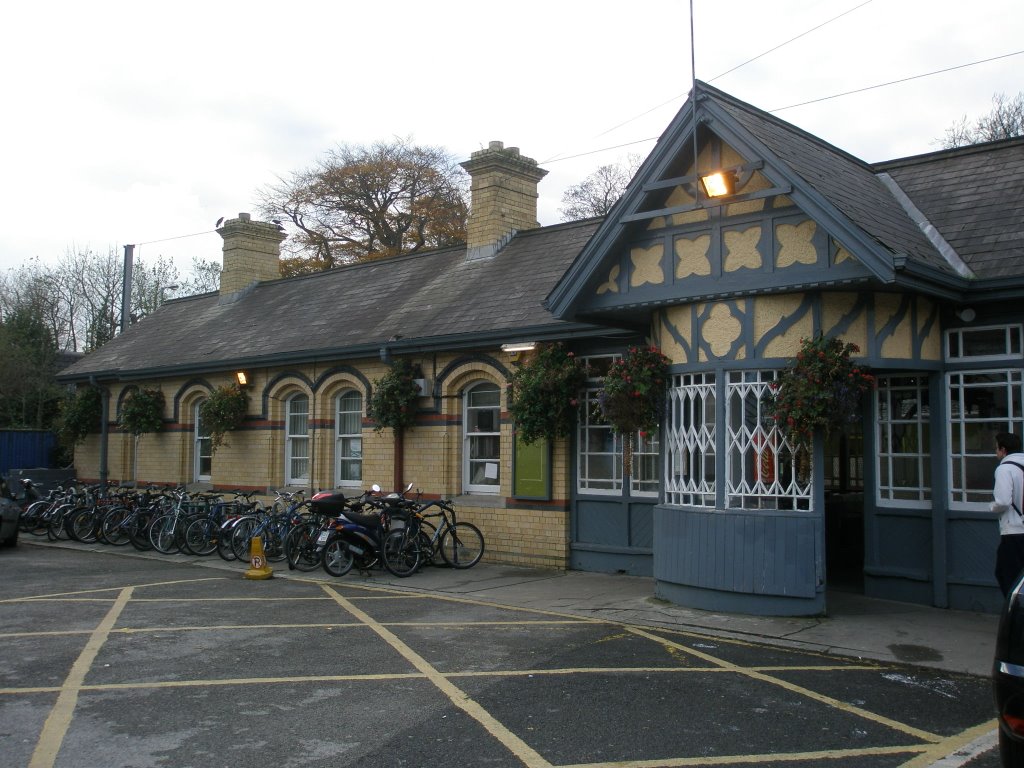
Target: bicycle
(460, 544)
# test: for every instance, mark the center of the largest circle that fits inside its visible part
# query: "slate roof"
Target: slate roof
(432, 300)
(848, 183)
(974, 197)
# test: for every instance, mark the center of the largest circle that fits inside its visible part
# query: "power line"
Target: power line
(555, 158)
(804, 103)
(780, 45)
(895, 82)
(178, 237)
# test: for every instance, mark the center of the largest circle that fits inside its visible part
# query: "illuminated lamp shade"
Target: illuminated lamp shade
(718, 184)
(522, 346)
(242, 378)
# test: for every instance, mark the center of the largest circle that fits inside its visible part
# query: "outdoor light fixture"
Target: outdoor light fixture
(967, 314)
(519, 346)
(718, 184)
(242, 378)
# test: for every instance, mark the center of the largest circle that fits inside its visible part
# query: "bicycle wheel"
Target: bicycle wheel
(224, 548)
(241, 538)
(300, 547)
(428, 548)
(138, 530)
(273, 543)
(57, 528)
(462, 546)
(401, 552)
(201, 536)
(113, 527)
(81, 526)
(163, 534)
(337, 559)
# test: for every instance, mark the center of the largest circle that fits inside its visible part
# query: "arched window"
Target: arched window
(296, 460)
(202, 449)
(348, 462)
(481, 452)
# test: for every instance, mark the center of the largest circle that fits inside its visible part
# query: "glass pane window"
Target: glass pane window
(764, 469)
(904, 459)
(992, 343)
(481, 421)
(981, 404)
(689, 434)
(202, 450)
(599, 449)
(297, 441)
(349, 439)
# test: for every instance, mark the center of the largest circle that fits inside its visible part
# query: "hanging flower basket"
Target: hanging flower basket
(393, 401)
(632, 397)
(221, 412)
(821, 389)
(142, 411)
(545, 394)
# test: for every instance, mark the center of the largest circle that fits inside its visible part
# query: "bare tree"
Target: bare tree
(1005, 121)
(360, 203)
(204, 278)
(596, 194)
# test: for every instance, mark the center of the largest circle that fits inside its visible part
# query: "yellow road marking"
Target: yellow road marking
(30, 598)
(456, 695)
(798, 689)
(56, 725)
(551, 672)
(681, 762)
(950, 745)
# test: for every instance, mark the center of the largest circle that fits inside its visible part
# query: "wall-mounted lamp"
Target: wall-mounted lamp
(242, 378)
(967, 314)
(519, 346)
(719, 183)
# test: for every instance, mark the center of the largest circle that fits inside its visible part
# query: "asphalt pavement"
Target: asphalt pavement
(855, 625)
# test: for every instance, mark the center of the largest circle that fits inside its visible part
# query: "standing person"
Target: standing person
(1008, 501)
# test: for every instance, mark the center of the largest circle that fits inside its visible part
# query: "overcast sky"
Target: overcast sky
(139, 122)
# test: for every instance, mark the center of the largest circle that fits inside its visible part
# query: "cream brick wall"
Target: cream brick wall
(517, 532)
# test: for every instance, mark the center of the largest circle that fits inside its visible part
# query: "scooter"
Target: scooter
(357, 539)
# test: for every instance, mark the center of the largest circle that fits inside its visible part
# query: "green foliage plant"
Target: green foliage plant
(545, 394)
(820, 389)
(80, 415)
(142, 411)
(222, 412)
(632, 397)
(393, 400)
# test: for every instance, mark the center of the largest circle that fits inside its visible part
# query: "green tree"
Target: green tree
(29, 396)
(360, 203)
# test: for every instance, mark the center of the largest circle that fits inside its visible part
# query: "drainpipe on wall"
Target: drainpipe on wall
(104, 430)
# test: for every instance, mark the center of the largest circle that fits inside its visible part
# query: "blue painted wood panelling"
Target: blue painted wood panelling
(25, 449)
(754, 552)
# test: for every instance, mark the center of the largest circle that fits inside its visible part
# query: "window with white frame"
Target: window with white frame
(764, 469)
(348, 470)
(996, 342)
(481, 419)
(599, 449)
(981, 405)
(297, 441)
(689, 434)
(202, 449)
(904, 437)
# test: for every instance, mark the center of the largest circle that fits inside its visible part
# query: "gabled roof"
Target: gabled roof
(974, 197)
(427, 301)
(864, 207)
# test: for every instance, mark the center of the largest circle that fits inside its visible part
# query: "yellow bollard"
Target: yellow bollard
(258, 568)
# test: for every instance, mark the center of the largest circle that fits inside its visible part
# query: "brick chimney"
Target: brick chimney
(503, 197)
(252, 251)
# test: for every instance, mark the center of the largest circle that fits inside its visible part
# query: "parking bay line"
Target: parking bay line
(56, 726)
(456, 695)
